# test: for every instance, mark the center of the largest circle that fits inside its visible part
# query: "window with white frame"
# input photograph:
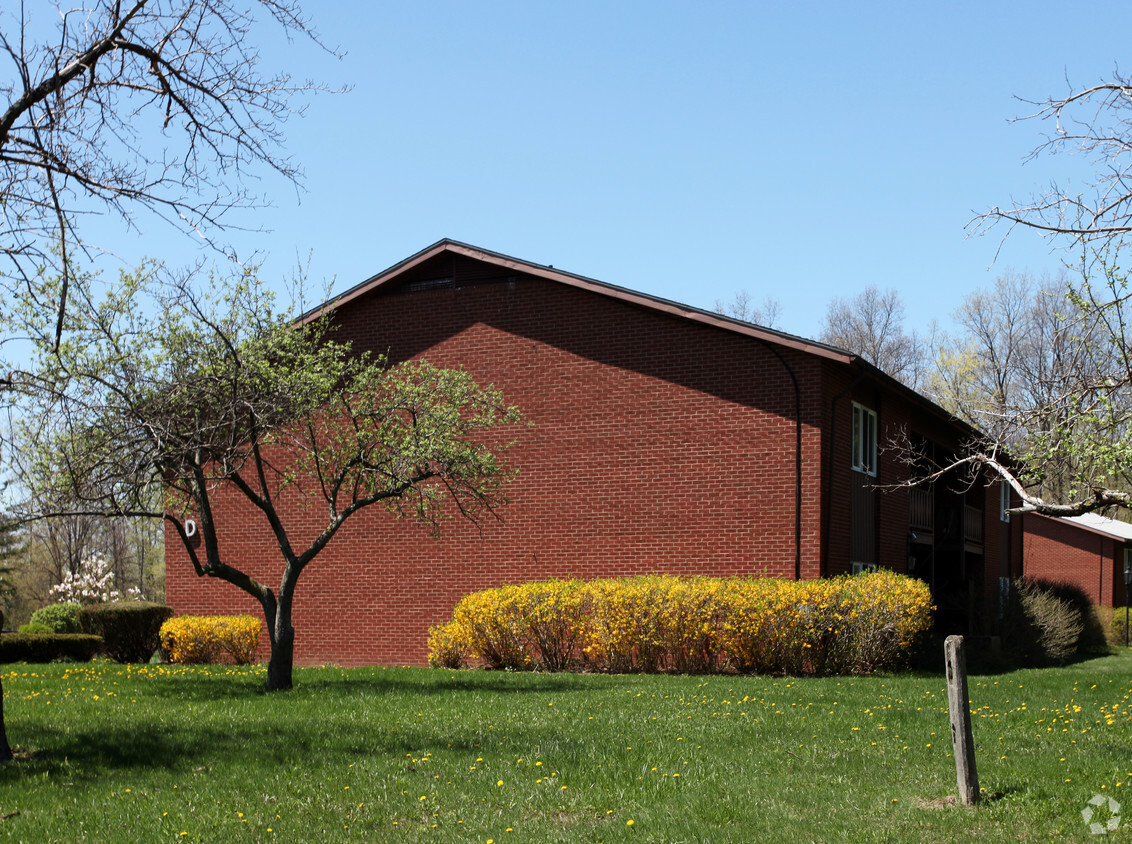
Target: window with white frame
(1004, 501)
(864, 440)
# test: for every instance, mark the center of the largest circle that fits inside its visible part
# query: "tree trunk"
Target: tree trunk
(282, 657)
(282, 637)
(5, 749)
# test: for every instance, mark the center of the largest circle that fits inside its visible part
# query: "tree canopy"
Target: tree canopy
(1096, 122)
(169, 391)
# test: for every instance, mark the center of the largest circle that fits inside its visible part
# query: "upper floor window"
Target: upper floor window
(864, 440)
(1004, 501)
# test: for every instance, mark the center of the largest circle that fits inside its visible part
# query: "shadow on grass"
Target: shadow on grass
(981, 659)
(87, 755)
(438, 682)
(186, 724)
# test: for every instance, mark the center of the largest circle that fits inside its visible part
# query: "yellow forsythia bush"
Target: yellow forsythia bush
(196, 639)
(840, 625)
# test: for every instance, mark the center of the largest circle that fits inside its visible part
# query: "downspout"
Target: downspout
(797, 458)
(827, 493)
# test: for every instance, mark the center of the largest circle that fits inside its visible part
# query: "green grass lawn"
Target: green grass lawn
(152, 753)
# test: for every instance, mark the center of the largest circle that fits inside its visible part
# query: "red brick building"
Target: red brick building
(663, 439)
(1086, 551)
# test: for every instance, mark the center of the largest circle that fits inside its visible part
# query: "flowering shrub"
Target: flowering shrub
(447, 646)
(91, 584)
(841, 625)
(491, 620)
(194, 639)
(554, 613)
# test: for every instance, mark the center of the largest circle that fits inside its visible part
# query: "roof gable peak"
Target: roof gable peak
(551, 273)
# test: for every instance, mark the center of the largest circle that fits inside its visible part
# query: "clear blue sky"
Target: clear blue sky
(798, 150)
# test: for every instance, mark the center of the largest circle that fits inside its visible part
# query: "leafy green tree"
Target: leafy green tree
(158, 386)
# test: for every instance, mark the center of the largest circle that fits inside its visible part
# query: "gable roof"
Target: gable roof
(656, 304)
(644, 300)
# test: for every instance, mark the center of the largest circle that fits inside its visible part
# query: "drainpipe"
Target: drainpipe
(797, 458)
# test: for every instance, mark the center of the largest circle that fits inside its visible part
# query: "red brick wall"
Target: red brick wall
(657, 444)
(1064, 553)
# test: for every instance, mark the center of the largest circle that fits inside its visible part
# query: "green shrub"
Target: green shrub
(54, 647)
(841, 625)
(35, 628)
(1115, 627)
(1041, 626)
(129, 629)
(60, 618)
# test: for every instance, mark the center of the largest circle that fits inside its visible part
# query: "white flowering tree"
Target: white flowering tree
(93, 583)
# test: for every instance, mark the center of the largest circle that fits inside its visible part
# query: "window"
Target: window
(864, 440)
(1004, 501)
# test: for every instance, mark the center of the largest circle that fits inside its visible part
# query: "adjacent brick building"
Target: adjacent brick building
(663, 439)
(1088, 551)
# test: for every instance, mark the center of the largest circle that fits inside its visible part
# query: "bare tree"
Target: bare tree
(742, 307)
(1021, 352)
(1065, 440)
(1095, 122)
(872, 325)
(1081, 417)
(160, 106)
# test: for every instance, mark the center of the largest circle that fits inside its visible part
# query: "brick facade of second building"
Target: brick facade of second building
(1087, 552)
(659, 439)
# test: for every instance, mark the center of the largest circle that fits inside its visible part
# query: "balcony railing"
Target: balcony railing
(921, 510)
(972, 524)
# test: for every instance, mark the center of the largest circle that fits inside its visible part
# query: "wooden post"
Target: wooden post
(959, 706)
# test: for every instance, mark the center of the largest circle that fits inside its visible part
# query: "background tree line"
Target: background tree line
(1039, 364)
